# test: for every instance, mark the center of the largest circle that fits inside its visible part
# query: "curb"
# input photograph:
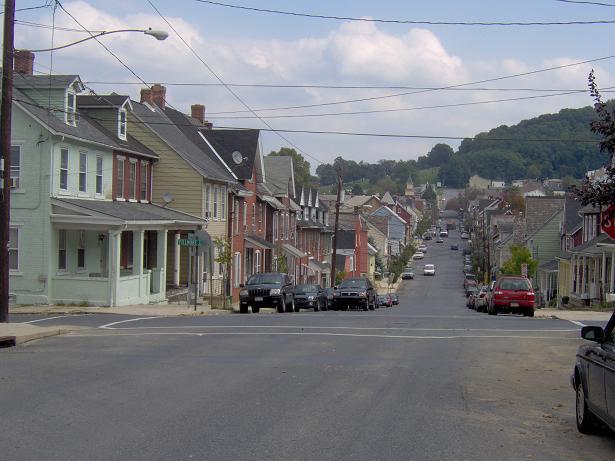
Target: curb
(18, 339)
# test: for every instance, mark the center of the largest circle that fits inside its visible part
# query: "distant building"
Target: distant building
(476, 182)
(498, 184)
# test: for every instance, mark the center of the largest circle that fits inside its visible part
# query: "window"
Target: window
(236, 215)
(71, 108)
(120, 178)
(83, 171)
(13, 249)
(15, 176)
(281, 225)
(236, 269)
(81, 250)
(275, 226)
(144, 182)
(64, 169)
(245, 215)
(257, 261)
(207, 201)
(132, 181)
(215, 207)
(223, 203)
(253, 216)
(99, 175)
(121, 129)
(62, 249)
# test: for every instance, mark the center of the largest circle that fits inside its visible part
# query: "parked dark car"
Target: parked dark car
(454, 247)
(593, 378)
(267, 289)
(355, 293)
(385, 301)
(310, 296)
(329, 292)
(512, 294)
(395, 299)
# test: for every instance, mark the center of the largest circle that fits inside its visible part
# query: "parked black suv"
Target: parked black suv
(355, 292)
(310, 295)
(267, 289)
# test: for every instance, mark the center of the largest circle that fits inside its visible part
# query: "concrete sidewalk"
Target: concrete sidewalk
(12, 334)
(576, 316)
(163, 310)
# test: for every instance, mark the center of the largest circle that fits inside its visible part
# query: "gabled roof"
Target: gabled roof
(590, 245)
(225, 142)
(539, 209)
(346, 239)
(280, 175)
(357, 200)
(387, 199)
(53, 82)
(572, 219)
(171, 126)
(555, 215)
(388, 211)
(102, 101)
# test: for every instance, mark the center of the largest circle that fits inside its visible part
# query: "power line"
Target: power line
(344, 133)
(51, 26)
(407, 93)
(586, 2)
(408, 21)
(47, 5)
(230, 90)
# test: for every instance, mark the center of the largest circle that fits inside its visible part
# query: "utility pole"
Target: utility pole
(340, 184)
(5, 160)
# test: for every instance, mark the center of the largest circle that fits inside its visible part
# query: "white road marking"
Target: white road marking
(577, 323)
(550, 338)
(51, 318)
(109, 325)
(188, 327)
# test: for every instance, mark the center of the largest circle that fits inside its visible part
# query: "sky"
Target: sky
(237, 46)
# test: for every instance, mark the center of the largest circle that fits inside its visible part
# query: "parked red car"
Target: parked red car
(512, 294)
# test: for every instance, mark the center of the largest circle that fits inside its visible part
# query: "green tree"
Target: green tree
(224, 257)
(357, 189)
(440, 154)
(301, 166)
(519, 255)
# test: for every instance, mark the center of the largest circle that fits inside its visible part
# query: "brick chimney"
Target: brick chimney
(146, 95)
(198, 112)
(159, 93)
(23, 62)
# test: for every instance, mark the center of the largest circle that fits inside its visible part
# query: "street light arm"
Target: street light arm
(157, 34)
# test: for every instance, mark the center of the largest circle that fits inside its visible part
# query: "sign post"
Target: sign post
(607, 220)
(194, 241)
(524, 270)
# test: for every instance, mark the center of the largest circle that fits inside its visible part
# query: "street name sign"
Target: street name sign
(191, 242)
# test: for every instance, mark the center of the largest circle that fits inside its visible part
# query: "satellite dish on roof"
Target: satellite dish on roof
(237, 157)
(167, 198)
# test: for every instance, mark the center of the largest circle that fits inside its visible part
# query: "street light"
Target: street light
(157, 34)
(5, 135)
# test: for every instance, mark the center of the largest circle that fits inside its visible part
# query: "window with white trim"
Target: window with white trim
(122, 124)
(132, 180)
(120, 177)
(245, 215)
(62, 249)
(15, 173)
(257, 261)
(81, 250)
(70, 110)
(215, 207)
(223, 198)
(236, 269)
(144, 181)
(253, 216)
(13, 249)
(275, 225)
(83, 171)
(64, 168)
(99, 175)
(207, 200)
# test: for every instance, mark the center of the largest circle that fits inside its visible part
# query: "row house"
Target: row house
(83, 228)
(354, 256)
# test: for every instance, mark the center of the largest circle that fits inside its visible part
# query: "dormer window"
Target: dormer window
(70, 109)
(122, 124)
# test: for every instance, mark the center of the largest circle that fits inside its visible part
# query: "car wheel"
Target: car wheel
(243, 309)
(255, 310)
(494, 310)
(366, 305)
(529, 313)
(586, 422)
(372, 306)
(280, 307)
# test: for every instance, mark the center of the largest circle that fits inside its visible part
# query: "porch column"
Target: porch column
(161, 260)
(176, 259)
(572, 275)
(113, 259)
(612, 288)
(585, 273)
(603, 286)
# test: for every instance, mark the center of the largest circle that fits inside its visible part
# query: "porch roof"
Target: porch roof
(119, 213)
(317, 265)
(591, 248)
(259, 242)
(274, 202)
(293, 251)
(549, 266)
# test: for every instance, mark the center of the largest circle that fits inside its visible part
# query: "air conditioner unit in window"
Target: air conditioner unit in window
(14, 183)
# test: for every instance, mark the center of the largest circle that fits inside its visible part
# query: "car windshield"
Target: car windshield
(353, 283)
(308, 288)
(429, 266)
(265, 279)
(515, 285)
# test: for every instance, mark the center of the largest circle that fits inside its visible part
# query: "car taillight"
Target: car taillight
(530, 293)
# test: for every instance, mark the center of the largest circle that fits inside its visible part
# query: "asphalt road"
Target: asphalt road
(428, 379)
